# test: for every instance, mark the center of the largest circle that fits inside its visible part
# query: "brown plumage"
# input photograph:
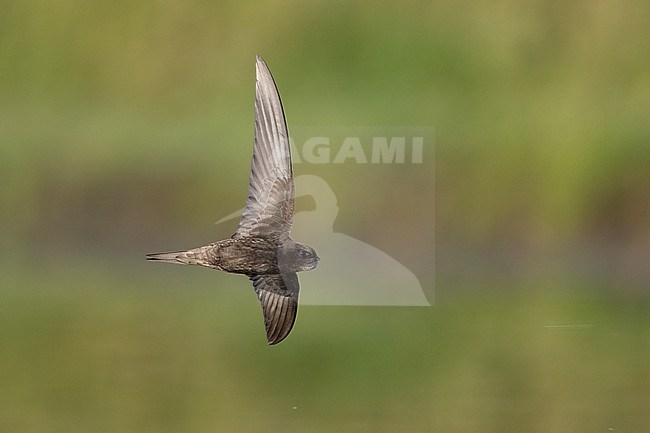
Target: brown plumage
(262, 248)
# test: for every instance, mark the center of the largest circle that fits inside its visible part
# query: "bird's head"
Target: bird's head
(297, 257)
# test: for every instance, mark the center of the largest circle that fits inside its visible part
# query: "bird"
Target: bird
(262, 248)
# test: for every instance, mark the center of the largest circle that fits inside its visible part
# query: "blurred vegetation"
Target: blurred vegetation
(125, 128)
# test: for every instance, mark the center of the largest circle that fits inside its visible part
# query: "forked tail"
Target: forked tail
(196, 256)
(171, 257)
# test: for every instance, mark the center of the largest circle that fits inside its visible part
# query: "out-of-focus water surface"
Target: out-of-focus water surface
(126, 128)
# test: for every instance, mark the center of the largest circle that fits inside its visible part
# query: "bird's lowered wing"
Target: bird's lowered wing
(269, 208)
(278, 295)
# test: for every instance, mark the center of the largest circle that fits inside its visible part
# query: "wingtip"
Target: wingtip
(262, 71)
(259, 62)
(275, 341)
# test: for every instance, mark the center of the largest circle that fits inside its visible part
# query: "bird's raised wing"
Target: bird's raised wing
(269, 208)
(278, 295)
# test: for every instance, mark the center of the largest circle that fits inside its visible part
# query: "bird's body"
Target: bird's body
(249, 256)
(262, 247)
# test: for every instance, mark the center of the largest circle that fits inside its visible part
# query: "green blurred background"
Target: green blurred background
(125, 128)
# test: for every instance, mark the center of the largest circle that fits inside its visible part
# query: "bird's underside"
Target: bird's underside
(261, 248)
(250, 256)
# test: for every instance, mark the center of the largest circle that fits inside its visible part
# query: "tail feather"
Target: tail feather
(196, 256)
(171, 257)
